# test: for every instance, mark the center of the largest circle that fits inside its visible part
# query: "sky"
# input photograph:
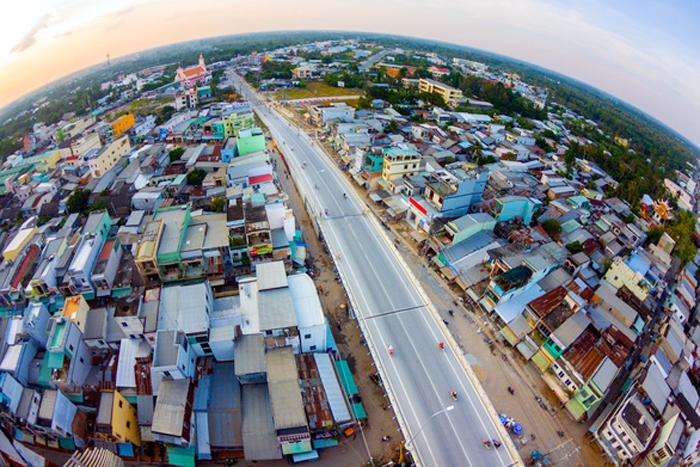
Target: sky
(644, 52)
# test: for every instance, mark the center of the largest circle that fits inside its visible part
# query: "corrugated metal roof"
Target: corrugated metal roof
(569, 331)
(655, 387)
(144, 405)
(307, 305)
(334, 394)
(283, 384)
(605, 374)
(276, 310)
(259, 440)
(271, 275)
(203, 441)
(104, 409)
(169, 414)
(249, 350)
(129, 351)
(48, 402)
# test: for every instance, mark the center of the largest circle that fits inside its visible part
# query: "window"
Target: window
(120, 404)
(81, 360)
(313, 347)
(124, 324)
(128, 424)
(70, 347)
(307, 336)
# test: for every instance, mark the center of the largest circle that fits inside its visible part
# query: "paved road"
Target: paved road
(393, 311)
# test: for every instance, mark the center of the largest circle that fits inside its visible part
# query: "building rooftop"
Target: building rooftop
(171, 407)
(285, 392)
(249, 350)
(174, 220)
(271, 276)
(259, 439)
(276, 310)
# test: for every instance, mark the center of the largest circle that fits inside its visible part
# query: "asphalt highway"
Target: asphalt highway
(393, 311)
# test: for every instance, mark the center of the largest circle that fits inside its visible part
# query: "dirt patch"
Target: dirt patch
(480, 373)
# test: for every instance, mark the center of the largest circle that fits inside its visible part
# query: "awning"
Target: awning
(325, 443)
(460, 283)
(509, 336)
(358, 411)
(346, 377)
(437, 262)
(448, 273)
(182, 457)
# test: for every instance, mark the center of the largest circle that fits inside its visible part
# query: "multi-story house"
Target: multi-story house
(509, 207)
(43, 283)
(173, 357)
(35, 325)
(186, 309)
(257, 232)
(68, 357)
(122, 124)
(102, 160)
(400, 163)
(80, 270)
(56, 415)
(447, 92)
(323, 114)
(117, 420)
(105, 268)
(628, 430)
(452, 193)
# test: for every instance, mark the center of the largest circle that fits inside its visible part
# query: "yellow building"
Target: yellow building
(76, 309)
(18, 243)
(146, 261)
(49, 160)
(106, 158)
(448, 93)
(620, 274)
(125, 423)
(80, 147)
(400, 163)
(122, 124)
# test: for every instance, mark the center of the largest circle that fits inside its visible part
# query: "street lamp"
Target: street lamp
(446, 409)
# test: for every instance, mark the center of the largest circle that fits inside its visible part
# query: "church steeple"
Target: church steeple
(201, 61)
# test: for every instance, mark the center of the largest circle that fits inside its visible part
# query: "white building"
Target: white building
(313, 329)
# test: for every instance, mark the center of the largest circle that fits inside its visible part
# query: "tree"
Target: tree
(195, 177)
(682, 230)
(392, 127)
(78, 201)
(176, 154)
(217, 204)
(552, 227)
(654, 234)
(574, 247)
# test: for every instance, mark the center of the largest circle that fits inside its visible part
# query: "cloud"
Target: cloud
(30, 37)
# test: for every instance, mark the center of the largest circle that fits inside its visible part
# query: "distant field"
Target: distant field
(316, 89)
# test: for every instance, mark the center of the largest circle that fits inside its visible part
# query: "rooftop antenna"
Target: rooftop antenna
(108, 64)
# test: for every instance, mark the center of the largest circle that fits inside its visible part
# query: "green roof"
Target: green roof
(55, 360)
(181, 456)
(346, 378)
(358, 411)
